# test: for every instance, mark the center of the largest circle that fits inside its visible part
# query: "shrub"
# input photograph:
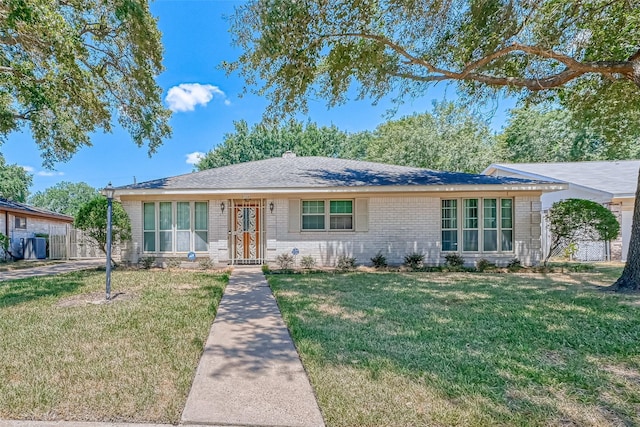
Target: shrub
(414, 260)
(570, 251)
(265, 269)
(379, 260)
(577, 219)
(285, 261)
(308, 262)
(345, 263)
(206, 263)
(454, 261)
(484, 265)
(147, 262)
(174, 263)
(4, 245)
(514, 265)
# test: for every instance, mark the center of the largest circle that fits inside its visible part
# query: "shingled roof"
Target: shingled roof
(16, 207)
(317, 173)
(618, 178)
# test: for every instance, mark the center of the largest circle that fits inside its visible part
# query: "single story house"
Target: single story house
(252, 212)
(611, 183)
(21, 222)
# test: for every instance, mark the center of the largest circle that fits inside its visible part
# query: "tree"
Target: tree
(268, 141)
(65, 197)
(92, 219)
(451, 138)
(66, 67)
(543, 134)
(581, 55)
(571, 220)
(14, 182)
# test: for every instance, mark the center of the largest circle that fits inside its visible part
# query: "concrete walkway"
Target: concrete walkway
(49, 270)
(250, 373)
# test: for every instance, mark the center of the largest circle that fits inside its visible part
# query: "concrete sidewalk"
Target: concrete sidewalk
(49, 270)
(250, 373)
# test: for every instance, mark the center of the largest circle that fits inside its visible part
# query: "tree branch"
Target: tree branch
(573, 70)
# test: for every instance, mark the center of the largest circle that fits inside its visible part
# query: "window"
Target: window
(183, 227)
(490, 236)
(470, 221)
(166, 226)
(449, 225)
(487, 225)
(316, 217)
(506, 216)
(313, 215)
(175, 226)
(20, 222)
(341, 215)
(149, 240)
(201, 226)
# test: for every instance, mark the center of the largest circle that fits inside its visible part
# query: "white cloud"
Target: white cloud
(50, 173)
(186, 96)
(195, 157)
(27, 168)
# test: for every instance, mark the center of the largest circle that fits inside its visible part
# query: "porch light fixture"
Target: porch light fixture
(221, 207)
(108, 192)
(271, 206)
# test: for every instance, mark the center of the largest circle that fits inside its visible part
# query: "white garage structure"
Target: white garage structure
(611, 183)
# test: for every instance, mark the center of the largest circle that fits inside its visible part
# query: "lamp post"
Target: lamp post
(108, 192)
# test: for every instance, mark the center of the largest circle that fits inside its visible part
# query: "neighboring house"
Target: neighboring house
(611, 183)
(21, 222)
(252, 212)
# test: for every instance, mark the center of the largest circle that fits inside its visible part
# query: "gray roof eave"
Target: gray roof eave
(544, 187)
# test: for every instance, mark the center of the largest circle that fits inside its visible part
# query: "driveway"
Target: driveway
(50, 270)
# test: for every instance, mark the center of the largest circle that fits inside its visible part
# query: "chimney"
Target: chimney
(288, 154)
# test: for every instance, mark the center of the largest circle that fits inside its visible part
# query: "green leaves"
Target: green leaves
(578, 219)
(14, 182)
(451, 138)
(266, 141)
(298, 51)
(64, 197)
(67, 68)
(92, 219)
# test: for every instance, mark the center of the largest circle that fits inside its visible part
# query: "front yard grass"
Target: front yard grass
(401, 349)
(64, 355)
(22, 264)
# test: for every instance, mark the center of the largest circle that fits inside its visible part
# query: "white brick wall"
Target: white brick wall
(397, 226)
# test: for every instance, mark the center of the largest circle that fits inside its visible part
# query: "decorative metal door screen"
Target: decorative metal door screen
(247, 235)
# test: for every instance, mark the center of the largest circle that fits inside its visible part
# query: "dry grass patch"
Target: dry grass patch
(22, 264)
(65, 357)
(398, 349)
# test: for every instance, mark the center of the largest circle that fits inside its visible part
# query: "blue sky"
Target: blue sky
(205, 101)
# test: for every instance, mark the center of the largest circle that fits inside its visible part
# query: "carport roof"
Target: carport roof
(16, 207)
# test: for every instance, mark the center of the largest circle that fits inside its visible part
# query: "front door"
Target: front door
(247, 241)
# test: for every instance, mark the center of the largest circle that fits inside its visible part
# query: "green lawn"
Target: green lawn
(409, 349)
(63, 355)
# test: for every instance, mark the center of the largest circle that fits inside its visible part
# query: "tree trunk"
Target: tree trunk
(630, 278)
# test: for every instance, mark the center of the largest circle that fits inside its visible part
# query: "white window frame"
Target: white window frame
(19, 222)
(327, 216)
(174, 227)
(461, 226)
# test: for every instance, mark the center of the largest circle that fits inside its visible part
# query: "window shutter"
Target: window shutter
(362, 214)
(294, 215)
